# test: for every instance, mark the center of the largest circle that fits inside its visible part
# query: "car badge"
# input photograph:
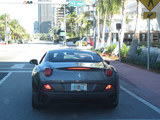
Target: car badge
(79, 75)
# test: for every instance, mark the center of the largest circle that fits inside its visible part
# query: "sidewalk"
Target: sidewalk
(142, 82)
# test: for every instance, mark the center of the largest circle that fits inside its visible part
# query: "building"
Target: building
(131, 12)
(36, 27)
(58, 15)
(44, 16)
(154, 23)
(49, 15)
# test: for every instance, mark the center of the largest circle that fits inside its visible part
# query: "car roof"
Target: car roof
(71, 50)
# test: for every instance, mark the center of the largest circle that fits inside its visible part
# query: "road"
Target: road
(15, 92)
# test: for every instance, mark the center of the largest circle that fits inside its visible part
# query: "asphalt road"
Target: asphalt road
(15, 94)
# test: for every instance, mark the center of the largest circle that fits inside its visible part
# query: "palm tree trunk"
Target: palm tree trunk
(98, 22)
(134, 44)
(110, 31)
(115, 52)
(103, 33)
(123, 21)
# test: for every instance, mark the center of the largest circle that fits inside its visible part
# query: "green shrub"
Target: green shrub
(124, 51)
(111, 48)
(155, 66)
(140, 50)
(142, 60)
(72, 39)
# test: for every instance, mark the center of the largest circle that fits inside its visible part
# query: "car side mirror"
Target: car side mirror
(33, 61)
(106, 61)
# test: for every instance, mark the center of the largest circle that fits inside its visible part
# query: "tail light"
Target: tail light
(47, 71)
(47, 87)
(108, 72)
(78, 68)
(108, 87)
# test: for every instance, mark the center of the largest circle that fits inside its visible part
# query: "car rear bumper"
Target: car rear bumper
(50, 97)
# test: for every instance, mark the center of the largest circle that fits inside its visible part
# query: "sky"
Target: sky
(25, 14)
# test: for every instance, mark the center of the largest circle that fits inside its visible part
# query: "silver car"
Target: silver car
(73, 75)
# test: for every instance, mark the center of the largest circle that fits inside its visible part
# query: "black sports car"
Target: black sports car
(70, 74)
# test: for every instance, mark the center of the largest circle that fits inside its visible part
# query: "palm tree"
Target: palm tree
(98, 24)
(85, 23)
(115, 52)
(113, 8)
(70, 22)
(3, 19)
(134, 44)
(70, 10)
(103, 13)
(107, 8)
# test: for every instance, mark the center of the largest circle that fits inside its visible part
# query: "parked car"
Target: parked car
(20, 42)
(70, 74)
(2, 42)
(91, 41)
(83, 39)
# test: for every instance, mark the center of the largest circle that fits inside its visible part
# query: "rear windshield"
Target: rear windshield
(74, 56)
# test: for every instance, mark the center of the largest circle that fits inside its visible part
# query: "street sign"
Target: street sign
(149, 4)
(55, 32)
(12, 36)
(150, 15)
(8, 30)
(62, 34)
(77, 3)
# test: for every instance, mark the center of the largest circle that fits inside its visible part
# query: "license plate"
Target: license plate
(78, 87)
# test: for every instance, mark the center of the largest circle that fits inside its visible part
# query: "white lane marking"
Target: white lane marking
(16, 71)
(18, 66)
(141, 100)
(1, 81)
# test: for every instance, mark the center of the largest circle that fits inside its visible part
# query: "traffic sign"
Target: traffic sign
(150, 15)
(12, 36)
(62, 34)
(150, 4)
(55, 32)
(77, 3)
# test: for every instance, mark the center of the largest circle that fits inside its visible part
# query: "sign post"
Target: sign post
(118, 27)
(148, 56)
(149, 4)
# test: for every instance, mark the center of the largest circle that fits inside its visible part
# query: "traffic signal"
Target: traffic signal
(28, 2)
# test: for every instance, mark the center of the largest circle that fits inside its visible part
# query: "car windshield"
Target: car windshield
(73, 56)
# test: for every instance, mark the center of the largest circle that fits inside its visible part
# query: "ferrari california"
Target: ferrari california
(71, 74)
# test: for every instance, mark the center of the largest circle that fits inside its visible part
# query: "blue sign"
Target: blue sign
(77, 3)
(55, 32)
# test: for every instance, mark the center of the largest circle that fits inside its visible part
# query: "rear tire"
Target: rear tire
(113, 105)
(112, 102)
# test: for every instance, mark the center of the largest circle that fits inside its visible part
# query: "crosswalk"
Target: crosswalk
(16, 67)
(7, 69)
